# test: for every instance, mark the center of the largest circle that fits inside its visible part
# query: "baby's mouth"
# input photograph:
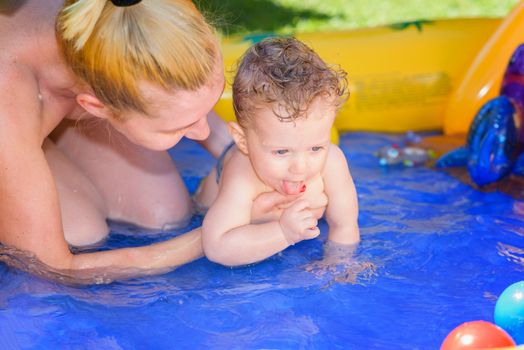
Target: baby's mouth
(293, 187)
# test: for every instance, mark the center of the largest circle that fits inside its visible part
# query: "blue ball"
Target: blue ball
(509, 311)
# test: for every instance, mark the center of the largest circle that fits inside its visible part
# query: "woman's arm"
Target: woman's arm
(30, 220)
(30, 217)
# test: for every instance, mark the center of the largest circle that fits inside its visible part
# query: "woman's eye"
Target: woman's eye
(316, 148)
(280, 151)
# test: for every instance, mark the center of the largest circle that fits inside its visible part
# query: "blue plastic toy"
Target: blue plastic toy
(509, 311)
(493, 143)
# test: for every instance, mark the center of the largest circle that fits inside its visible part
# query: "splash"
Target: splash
(340, 265)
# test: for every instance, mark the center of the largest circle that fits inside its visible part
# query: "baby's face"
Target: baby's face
(286, 155)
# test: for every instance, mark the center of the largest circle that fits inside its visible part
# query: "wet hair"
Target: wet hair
(286, 75)
(112, 49)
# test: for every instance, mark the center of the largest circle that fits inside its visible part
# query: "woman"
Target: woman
(92, 94)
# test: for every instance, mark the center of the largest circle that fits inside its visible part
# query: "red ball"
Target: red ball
(477, 335)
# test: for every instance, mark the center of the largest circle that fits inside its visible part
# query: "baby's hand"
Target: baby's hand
(299, 223)
(266, 206)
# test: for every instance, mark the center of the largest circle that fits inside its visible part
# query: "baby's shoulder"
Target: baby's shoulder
(336, 171)
(335, 157)
(239, 173)
(237, 164)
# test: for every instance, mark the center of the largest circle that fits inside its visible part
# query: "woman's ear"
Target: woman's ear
(238, 135)
(94, 106)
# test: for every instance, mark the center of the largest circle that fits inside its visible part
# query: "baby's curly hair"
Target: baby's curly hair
(286, 74)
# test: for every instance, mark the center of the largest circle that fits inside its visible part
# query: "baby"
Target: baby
(285, 100)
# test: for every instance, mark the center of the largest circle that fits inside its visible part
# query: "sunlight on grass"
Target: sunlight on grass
(286, 16)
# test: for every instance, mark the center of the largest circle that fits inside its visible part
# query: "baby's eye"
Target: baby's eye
(317, 148)
(280, 152)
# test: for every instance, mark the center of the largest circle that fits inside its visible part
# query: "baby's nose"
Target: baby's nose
(298, 165)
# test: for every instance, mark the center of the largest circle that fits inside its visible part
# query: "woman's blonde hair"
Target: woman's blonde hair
(166, 42)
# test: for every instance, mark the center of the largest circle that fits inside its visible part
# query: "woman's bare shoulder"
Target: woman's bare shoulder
(18, 96)
(32, 13)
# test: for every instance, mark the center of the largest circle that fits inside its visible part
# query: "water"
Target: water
(435, 253)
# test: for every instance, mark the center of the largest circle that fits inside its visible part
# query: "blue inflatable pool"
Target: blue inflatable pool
(435, 253)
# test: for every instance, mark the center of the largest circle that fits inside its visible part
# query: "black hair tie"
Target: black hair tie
(125, 3)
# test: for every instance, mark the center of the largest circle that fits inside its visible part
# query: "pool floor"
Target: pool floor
(435, 253)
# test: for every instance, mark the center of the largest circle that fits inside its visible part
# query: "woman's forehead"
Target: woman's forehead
(172, 101)
(158, 96)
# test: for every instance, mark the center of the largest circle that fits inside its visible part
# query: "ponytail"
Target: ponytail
(112, 49)
(78, 19)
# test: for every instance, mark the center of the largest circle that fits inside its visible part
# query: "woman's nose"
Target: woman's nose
(199, 131)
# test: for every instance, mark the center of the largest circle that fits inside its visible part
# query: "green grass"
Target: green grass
(288, 16)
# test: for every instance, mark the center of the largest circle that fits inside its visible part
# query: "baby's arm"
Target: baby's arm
(229, 237)
(342, 208)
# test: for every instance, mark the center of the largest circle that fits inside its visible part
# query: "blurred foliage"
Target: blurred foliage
(287, 16)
